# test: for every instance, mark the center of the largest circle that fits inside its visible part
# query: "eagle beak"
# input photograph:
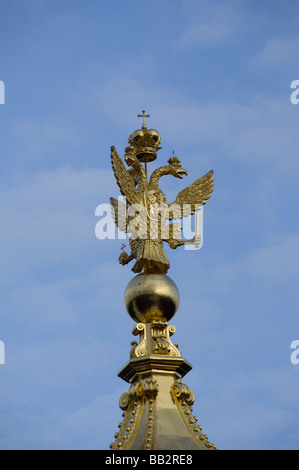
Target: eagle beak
(181, 172)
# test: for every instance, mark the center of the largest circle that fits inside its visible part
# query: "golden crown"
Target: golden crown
(145, 142)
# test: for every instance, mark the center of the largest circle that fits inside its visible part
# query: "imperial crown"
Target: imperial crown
(144, 142)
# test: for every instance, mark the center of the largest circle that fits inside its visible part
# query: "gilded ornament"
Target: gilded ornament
(157, 411)
(145, 214)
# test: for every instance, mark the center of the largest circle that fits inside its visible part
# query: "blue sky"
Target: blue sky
(215, 77)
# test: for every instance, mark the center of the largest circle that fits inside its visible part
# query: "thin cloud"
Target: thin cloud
(213, 24)
(272, 264)
(277, 52)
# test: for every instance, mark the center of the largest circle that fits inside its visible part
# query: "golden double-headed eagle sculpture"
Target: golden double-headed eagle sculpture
(145, 213)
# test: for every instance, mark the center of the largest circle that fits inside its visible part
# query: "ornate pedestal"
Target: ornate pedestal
(157, 408)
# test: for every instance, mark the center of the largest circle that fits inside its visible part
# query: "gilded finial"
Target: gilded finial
(157, 407)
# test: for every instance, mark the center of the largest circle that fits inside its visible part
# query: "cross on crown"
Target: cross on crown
(143, 115)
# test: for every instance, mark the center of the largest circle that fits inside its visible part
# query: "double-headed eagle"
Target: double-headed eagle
(145, 213)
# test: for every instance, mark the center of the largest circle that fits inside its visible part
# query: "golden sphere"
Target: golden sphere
(151, 297)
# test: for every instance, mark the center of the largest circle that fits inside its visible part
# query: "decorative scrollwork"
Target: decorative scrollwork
(140, 394)
(140, 349)
(154, 339)
(184, 397)
(183, 392)
(124, 401)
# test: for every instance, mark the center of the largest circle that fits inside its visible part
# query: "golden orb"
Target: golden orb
(151, 297)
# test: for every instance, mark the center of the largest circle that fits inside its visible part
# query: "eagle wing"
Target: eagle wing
(119, 214)
(123, 177)
(188, 200)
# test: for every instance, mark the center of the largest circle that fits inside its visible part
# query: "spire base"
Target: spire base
(157, 413)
